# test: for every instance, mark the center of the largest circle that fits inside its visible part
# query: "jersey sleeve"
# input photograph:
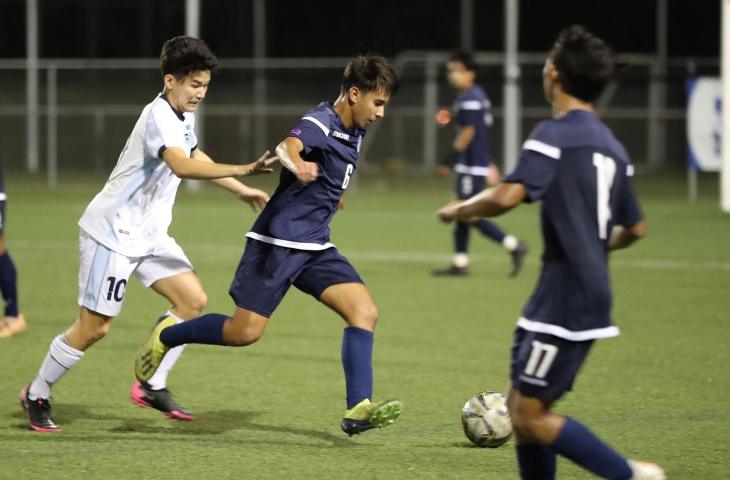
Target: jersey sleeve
(628, 211)
(538, 161)
(312, 131)
(164, 130)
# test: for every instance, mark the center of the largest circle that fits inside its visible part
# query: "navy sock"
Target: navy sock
(580, 445)
(357, 360)
(490, 230)
(461, 237)
(207, 329)
(9, 285)
(536, 462)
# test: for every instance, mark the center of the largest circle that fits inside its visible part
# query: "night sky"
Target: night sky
(137, 28)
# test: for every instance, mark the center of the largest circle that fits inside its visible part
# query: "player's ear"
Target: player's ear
(353, 94)
(169, 81)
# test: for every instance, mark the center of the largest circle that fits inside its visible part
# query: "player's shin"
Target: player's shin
(357, 358)
(61, 358)
(581, 446)
(159, 379)
(536, 462)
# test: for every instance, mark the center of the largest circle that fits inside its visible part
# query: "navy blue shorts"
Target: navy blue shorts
(467, 186)
(544, 366)
(2, 217)
(266, 272)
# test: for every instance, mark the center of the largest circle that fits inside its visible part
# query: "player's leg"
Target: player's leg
(103, 276)
(260, 282)
(65, 351)
(331, 278)
(187, 300)
(543, 368)
(464, 188)
(13, 321)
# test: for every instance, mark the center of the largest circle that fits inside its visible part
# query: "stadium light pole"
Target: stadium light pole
(512, 130)
(192, 29)
(31, 84)
(725, 68)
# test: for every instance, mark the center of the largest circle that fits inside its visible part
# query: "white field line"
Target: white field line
(235, 251)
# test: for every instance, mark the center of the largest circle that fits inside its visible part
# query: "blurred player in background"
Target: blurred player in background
(124, 229)
(289, 244)
(13, 322)
(472, 163)
(581, 174)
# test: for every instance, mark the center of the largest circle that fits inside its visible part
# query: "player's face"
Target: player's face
(186, 93)
(459, 77)
(367, 107)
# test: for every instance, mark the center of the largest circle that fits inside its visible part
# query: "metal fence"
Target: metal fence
(86, 108)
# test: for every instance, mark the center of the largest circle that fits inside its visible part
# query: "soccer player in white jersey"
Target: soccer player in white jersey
(124, 229)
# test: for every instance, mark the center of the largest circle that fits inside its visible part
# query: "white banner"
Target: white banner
(704, 123)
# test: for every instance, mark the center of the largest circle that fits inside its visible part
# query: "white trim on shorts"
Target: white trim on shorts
(564, 333)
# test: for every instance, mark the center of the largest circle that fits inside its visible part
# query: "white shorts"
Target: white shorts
(103, 273)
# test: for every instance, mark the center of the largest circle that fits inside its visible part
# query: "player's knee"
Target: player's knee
(96, 332)
(528, 427)
(364, 316)
(192, 305)
(244, 336)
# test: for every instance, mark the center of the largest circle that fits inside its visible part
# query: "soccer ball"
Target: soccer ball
(486, 420)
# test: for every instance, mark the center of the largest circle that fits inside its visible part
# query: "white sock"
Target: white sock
(510, 242)
(61, 358)
(159, 379)
(460, 260)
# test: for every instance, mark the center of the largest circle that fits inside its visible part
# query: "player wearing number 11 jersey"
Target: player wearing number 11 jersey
(290, 245)
(581, 174)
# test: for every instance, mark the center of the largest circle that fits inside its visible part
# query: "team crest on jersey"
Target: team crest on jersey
(296, 131)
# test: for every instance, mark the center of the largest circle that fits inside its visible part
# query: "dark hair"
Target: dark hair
(465, 58)
(370, 73)
(182, 55)
(585, 62)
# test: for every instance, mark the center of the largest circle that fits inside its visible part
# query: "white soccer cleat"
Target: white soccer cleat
(646, 471)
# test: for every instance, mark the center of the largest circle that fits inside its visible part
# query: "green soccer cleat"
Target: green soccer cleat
(366, 415)
(152, 351)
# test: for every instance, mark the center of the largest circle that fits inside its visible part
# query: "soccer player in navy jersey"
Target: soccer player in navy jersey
(13, 322)
(289, 244)
(581, 174)
(472, 162)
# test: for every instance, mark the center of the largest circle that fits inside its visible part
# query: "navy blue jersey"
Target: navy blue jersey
(581, 174)
(472, 108)
(298, 215)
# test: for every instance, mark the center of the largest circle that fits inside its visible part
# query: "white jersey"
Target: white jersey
(132, 212)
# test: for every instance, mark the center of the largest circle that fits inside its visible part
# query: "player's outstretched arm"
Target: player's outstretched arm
(256, 198)
(186, 167)
(289, 153)
(489, 203)
(622, 237)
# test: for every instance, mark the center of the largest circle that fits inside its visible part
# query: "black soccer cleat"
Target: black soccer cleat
(518, 258)
(38, 412)
(451, 271)
(143, 395)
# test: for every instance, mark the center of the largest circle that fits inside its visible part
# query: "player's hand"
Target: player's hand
(448, 213)
(307, 172)
(443, 170)
(443, 117)
(341, 205)
(256, 198)
(261, 165)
